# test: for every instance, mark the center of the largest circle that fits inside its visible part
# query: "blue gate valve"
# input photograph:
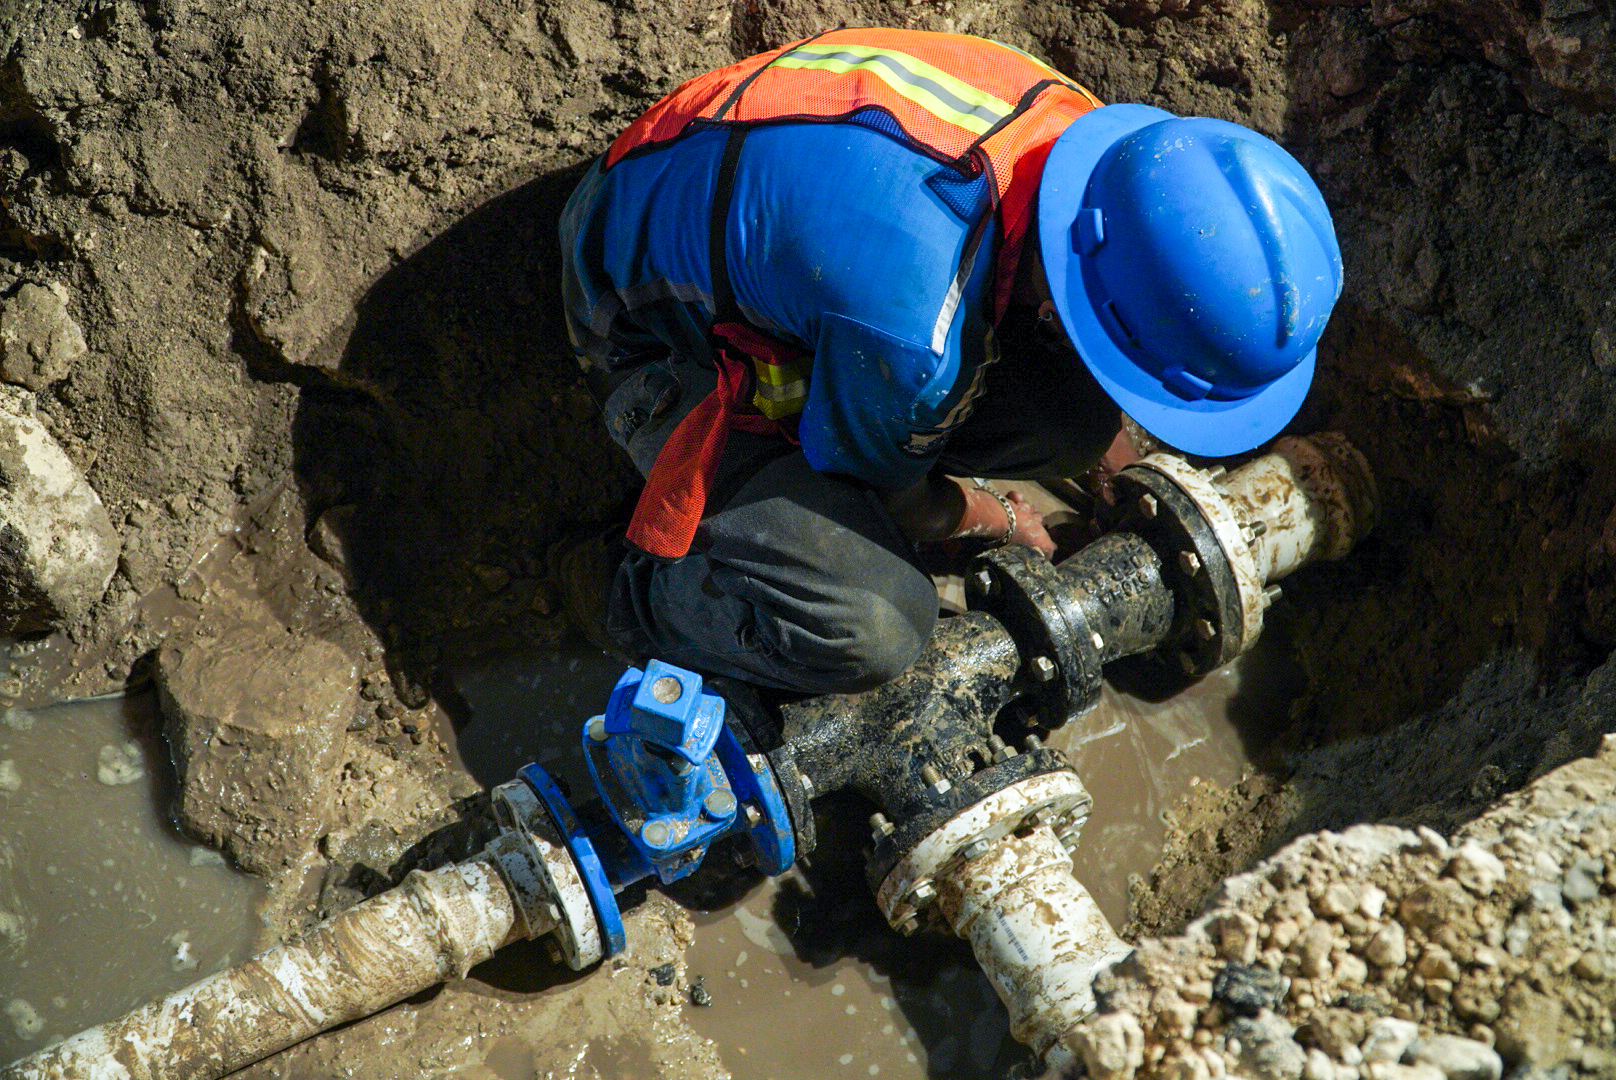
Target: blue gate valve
(674, 779)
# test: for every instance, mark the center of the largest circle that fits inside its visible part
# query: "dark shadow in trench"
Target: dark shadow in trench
(454, 440)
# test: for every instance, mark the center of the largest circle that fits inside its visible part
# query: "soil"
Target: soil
(325, 396)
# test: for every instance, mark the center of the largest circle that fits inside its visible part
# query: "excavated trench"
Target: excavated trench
(316, 376)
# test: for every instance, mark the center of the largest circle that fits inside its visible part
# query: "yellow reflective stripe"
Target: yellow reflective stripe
(933, 89)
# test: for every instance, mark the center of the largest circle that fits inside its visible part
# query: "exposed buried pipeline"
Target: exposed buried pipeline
(974, 823)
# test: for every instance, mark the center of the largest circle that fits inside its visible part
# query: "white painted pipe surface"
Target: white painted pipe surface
(434, 926)
(1314, 497)
(1036, 931)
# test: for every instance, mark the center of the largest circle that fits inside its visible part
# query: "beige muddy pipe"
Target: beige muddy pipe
(434, 926)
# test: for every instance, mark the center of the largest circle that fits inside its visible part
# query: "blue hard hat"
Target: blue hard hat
(1194, 265)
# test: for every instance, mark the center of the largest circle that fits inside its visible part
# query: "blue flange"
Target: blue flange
(590, 869)
(773, 838)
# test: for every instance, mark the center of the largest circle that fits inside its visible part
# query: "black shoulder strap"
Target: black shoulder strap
(725, 310)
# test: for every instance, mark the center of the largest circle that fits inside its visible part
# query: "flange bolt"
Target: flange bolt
(1189, 563)
(1271, 595)
(1148, 506)
(880, 826)
(656, 833)
(984, 582)
(974, 850)
(719, 804)
(910, 923)
(1205, 630)
(1044, 669)
(934, 779)
(597, 728)
(1032, 742)
(922, 894)
(1000, 751)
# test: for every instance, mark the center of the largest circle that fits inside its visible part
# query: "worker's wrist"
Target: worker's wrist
(988, 517)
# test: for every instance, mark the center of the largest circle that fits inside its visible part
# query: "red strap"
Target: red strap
(675, 495)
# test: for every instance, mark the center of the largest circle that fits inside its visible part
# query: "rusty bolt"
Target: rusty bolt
(985, 582)
(1001, 752)
(597, 728)
(880, 826)
(1033, 742)
(910, 923)
(1205, 630)
(1189, 562)
(934, 779)
(974, 850)
(1271, 595)
(1148, 506)
(1043, 669)
(922, 894)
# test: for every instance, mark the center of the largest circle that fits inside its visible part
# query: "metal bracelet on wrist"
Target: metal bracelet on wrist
(1009, 511)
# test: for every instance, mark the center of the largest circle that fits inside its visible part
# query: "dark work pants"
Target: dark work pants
(800, 580)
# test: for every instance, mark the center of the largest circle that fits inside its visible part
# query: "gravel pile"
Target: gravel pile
(1385, 953)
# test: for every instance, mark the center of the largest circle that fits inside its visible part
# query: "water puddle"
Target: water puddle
(805, 980)
(103, 905)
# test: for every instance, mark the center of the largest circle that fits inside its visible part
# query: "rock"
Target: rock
(1319, 1066)
(1351, 971)
(25, 1019)
(1387, 1039)
(39, 342)
(255, 723)
(1247, 990)
(1437, 963)
(1235, 936)
(120, 764)
(1436, 904)
(10, 779)
(1337, 901)
(1458, 1058)
(1314, 950)
(1476, 868)
(58, 549)
(1185, 1066)
(1373, 902)
(1337, 1032)
(1581, 882)
(1389, 947)
(1111, 1045)
(1590, 966)
(1267, 1049)
(1433, 842)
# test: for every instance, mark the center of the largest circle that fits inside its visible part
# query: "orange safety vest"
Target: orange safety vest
(977, 105)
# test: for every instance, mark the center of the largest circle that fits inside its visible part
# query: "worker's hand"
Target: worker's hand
(1030, 530)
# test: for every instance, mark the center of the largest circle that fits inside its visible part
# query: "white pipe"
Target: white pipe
(434, 926)
(1036, 931)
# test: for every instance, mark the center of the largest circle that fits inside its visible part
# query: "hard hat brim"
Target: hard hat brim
(1208, 427)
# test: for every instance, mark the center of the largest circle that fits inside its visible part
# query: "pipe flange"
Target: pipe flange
(549, 891)
(1204, 554)
(915, 824)
(1051, 797)
(1023, 590)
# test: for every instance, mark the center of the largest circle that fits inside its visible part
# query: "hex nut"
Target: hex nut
(1189, 563)
(974, 850)
(1148, 506)
(922, 894)
(1205, 630)
(1043, 669)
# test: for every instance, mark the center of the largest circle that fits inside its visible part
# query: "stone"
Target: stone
(1436, 904)
(10, 778)
(1337, 1032)
(1111, 1045)
(1389, 947)
(1590, 966)
(255, 724)
(39, 341)
(1476, 868)
(1319, 1066)
(1247, 990)
(120, 763)
(1235, 937)
(1581, 882)
(1437, 963)
(58, 549)
(1337, 900)
(1387, 1038)
(1373, 902)
(1267, 1048)
(1458, 1058)
(1185, 1066)
(1314, 950)
(1351, 971)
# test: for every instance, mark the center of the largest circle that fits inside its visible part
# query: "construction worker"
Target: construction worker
(813, 286)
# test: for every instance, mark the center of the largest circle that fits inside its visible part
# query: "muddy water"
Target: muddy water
(103, 906)
(805, 979)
